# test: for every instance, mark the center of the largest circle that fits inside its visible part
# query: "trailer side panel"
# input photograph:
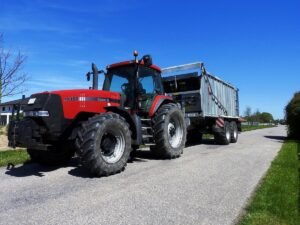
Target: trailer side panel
(218, 98)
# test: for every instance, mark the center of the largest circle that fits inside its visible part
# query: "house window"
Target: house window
(3, 108)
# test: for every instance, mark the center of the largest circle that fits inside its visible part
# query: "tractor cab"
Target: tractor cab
(137, 81)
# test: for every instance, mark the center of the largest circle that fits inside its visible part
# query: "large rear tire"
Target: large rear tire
(223, 137)
(169, 132)
(58, 156)
(106, 144)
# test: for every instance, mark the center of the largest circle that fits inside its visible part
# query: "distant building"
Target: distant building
(6, 109)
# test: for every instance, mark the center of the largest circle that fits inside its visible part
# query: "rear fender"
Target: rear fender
(157, 102)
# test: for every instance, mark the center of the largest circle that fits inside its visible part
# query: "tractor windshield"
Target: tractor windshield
(121, 78)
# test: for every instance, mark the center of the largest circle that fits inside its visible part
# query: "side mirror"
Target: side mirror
(147, 60)
(88, 76)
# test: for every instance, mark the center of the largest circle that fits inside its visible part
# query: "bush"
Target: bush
(292, 113)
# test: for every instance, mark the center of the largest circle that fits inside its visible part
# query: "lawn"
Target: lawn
(252, 127)
(277, 199)
(14, 157)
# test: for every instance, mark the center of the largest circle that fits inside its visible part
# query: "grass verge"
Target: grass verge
(277, 199)
(251, 127)
(13, 156)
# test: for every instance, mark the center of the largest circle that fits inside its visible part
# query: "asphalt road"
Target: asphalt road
(209, 184)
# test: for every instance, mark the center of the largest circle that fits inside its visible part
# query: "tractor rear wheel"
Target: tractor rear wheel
(106, 144)
(169, 132)
(58, 156)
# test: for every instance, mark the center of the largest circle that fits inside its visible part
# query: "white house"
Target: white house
(6, 109)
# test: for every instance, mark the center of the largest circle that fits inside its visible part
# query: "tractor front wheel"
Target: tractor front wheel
(106, 144)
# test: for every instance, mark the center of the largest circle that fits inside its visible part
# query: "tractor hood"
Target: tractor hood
(87, 95)
(73, 102)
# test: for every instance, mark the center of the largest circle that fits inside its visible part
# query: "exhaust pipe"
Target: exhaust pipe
(95, 76)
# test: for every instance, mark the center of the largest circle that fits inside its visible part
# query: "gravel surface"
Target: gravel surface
(209, 184)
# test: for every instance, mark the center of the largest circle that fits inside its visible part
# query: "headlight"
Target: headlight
(36, 113)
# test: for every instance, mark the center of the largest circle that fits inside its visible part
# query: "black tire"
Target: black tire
(233, 132)
(79, 137)
(106, 144)
(223, 137)
(59, 156)
(169, 132)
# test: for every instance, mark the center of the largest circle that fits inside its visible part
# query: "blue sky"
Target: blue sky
(254, 45)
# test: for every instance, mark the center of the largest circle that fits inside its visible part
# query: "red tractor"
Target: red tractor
(103, 126)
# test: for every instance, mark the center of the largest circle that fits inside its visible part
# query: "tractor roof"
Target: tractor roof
(132, 62)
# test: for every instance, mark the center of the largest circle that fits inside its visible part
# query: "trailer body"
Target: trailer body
(205, 98)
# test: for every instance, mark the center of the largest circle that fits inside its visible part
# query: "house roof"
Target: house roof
(22, 101)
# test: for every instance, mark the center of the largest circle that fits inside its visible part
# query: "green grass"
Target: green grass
(13, 156)
(277, 199)
(251, 127)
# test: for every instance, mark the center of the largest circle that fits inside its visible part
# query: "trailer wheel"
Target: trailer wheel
(223, 137)
(169, 132)
(106, 144)
(233, 132)
(58, 156)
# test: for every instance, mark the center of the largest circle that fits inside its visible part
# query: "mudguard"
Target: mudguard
(157, 102)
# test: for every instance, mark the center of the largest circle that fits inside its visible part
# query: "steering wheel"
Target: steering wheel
(124, 87)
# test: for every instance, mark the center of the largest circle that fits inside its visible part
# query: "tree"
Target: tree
(11, 76)
(256, 116)
(266, 117)
(292, 114)
(247, 114)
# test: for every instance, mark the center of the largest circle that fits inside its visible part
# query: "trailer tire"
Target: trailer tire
(59, 156)
(106, 144)
(169, 132)
(223, 137)
(233, 132)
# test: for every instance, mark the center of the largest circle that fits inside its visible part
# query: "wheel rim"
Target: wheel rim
(228, 134)
(235, 133)
(175, 132)
(112, 146)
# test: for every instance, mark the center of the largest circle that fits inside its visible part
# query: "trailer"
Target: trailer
(210, 104)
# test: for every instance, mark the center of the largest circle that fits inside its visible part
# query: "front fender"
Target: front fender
(157, 102)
